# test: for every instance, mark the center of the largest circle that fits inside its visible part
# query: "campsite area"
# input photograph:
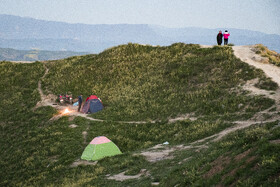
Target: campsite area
(180, 115)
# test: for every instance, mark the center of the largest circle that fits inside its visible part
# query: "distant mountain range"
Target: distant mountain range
(34, 55)
(27, 33)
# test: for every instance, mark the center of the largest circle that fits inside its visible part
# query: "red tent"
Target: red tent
(92, 97)
(93, 104)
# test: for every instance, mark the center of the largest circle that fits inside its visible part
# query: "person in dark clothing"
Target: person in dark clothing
(80, 100)
(220, 38)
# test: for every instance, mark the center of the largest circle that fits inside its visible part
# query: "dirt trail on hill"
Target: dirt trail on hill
(246, 54)
(50, 100)
(161, 152)
(46, 100)
(43, 97)
(23, 62)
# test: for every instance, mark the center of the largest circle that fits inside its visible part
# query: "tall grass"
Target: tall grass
(272, 56)
(18, 87)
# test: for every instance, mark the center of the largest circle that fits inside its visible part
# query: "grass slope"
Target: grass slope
(137, 82)
(38, 152)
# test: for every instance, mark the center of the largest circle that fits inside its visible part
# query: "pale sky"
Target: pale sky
(258, 15)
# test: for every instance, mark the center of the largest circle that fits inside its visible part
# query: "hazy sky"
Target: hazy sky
(259, 15)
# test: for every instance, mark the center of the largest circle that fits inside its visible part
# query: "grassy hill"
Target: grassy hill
(34, 55)
(139, 83)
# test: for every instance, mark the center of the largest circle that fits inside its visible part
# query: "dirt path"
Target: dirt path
(50, 100)
(122, 177)
(23, 62)
(161, 152)
(46, 100)
(43, 97)
(247, 54)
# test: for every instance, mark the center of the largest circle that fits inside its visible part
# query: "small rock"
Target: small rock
(73, 126)
(71, 118)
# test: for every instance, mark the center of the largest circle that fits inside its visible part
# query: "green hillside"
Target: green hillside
(140, 83)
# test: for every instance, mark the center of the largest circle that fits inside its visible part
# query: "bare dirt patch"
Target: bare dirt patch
(231, 173)
(123, 177)
(154, 156)
(242, 155)
(250, 159)
(237, 159)
(53, 158)
(83, 162)
(73, 126)
(250, 86)
(162, 152)
(241, 125)
(247, 54)
(183, 117)
(274, 95)
(185, 160)
(71, 118)
(275, 141)
(206, 46)
(84, 133)
(217, 166)
(23, 62)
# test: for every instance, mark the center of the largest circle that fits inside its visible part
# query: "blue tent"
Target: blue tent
(92, 106)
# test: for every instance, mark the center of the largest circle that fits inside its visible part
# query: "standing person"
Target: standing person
(220, 38)
(226, 35)
(80, 100)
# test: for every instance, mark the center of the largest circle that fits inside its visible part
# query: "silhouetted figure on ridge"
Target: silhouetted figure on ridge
(220, 38)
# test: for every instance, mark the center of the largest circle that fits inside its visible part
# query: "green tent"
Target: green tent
(100, 147)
